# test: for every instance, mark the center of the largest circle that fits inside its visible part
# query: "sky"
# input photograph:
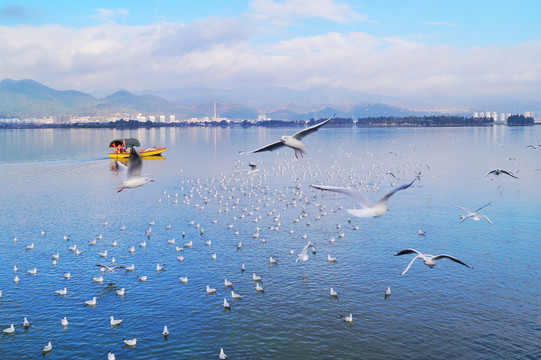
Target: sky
(402, 48)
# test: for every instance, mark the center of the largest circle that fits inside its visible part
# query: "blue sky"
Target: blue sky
(397, 48)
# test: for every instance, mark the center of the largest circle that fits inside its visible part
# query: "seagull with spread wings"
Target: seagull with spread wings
(293, 141)
(369, 209)
(473, 214)
(500, 171)
(428, 260)
(134, 178)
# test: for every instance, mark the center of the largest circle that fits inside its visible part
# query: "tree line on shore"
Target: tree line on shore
(414, 121)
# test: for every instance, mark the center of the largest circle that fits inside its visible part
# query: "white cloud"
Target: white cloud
(219, 53)
(104, 15)
(435, 23)
(287, 11)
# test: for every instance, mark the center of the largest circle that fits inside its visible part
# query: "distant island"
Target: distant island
(406, 121)
(519, 120)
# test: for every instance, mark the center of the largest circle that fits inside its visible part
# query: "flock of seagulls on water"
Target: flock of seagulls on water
(229, 192)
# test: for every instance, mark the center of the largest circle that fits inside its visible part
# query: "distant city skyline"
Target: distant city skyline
(423, 50)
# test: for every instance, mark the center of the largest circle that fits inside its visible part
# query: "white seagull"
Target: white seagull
(368, 208)
(429, 260)
(64, 291)
(48, 347)
(293, 141)
(110, 268)
(9, 330)
(115, 322)
(91, 302)
(222, 355)
(134, 178)
(130, 342)
(64, 321)
(303, 256)
(348, 319)
(473, 214)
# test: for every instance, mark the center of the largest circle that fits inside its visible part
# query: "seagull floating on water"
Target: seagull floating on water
(429, 260)
(115, 322)
(9, 330)
(48, 347)
(222, 355)
(348, 319)
(134, 178)
(91, 302)
(293, 141)
(130, 342)
(368, 208)
(64, 321)
(64, 291)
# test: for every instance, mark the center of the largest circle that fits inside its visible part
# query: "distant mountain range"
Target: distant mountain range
(28, 98)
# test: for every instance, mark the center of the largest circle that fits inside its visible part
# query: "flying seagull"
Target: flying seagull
(429, 260)
(253, 168)
(473, 214)
(134, 178)
(110, 268)
(303, 256)
(500, 171)
(368, 208)
(293, 141)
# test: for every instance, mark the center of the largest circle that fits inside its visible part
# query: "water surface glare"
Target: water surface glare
(61, 182)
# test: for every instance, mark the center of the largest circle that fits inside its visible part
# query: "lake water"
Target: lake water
(61, 182)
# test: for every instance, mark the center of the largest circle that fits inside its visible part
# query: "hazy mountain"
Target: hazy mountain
(123, 101)
(30, 98)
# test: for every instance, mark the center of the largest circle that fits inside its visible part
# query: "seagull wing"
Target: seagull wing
(409, 265)
(485, 217)
(443, 256)
(402, 187)
(509, 173)
(304, 252)
(490, 172)
(270, 147)
(299, 135)
(104, 266)
(252, 165)
(135, 164)
(484, 206)
(407, 251)
(357, 195)
(461, 208)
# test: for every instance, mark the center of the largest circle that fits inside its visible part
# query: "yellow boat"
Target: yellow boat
(122, 149)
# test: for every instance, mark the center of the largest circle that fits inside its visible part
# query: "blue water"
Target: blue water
(61, 181)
